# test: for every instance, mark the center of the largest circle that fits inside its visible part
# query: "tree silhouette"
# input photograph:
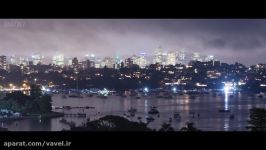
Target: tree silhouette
(189, 127)
(166, 127)
(112, 123)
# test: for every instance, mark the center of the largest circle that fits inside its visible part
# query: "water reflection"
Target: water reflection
(207, 106)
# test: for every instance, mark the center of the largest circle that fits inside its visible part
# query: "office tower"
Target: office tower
(171, 58)
(128, 62)
(108, 62)
(158, 55)
(86, 64)
(37, 59)
(58, 60)
(97, 63)
(196, 57)
(18, 60)
(180, 56)
(75, 61)
(209, 58)
(140, 60)
(3, 63)
(164, 58)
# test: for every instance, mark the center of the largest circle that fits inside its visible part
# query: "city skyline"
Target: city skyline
(230, 40)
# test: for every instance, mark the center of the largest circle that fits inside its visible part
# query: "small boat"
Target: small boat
(132, 110)
(150, 119)
(138, 97)
(260, 96)
(232, 117)
(192, 96)
(153, 110)
(67, 107)
(63, 120)
(64, 96)
(103, 96)
(75, 95)
(89, 95)
(224, 110)
(177, 116)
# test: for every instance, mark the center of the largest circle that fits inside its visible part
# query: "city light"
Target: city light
(174, 89)
(201, 85)
(146, 89)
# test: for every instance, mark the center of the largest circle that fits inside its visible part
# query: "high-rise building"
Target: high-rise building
(3, 63)
(180, 56)
(209, 58)
(18, 60)
(108, 62)
(140, 60)
(128, 62)
(85, 64)
(97, 63)
(75, 64)
(158, 55)
(196, 56)
(171, 58)
(75, 61)
(58, 60)
(164, 58)
(37, 59)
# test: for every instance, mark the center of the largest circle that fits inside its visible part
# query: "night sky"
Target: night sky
(228, 40)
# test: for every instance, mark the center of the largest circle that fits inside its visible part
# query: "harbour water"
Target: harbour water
(205, 107)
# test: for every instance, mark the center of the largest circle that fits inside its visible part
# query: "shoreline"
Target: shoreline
(31, 116)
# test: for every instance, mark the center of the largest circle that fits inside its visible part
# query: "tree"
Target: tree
(45, 104)
(166, 127)
(35, 91)
(112, 123)
(257, 120)
(189, 127)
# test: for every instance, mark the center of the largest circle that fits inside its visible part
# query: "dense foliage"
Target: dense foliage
(112, 123)
(35, 103)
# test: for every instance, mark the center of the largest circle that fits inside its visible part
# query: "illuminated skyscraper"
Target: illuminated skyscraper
(18, 60)
(129, 62)
(158, 55)
(108, 62)
(3, 63)
(140, 60)
(180, 56)
(37, 59)
(58, 60)
(209, 58)
(196, 57)
(171, 58)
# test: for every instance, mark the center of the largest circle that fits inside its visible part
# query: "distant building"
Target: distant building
(18, 60)
(128, 62)
(58, 60)
(158, 55)
(171, 58)
(209, 58)
(37, 59)
(180, 57)
(140, 60)
(86, 64)
(75, 64)
(3, 62)
(196, 56)
(108, 62)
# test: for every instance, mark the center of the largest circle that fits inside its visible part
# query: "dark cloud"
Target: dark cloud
(226, 38)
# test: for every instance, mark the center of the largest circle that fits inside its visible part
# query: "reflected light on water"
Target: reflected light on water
(226, 101)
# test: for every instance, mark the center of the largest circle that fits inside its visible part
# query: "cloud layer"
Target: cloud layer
(229, 40)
